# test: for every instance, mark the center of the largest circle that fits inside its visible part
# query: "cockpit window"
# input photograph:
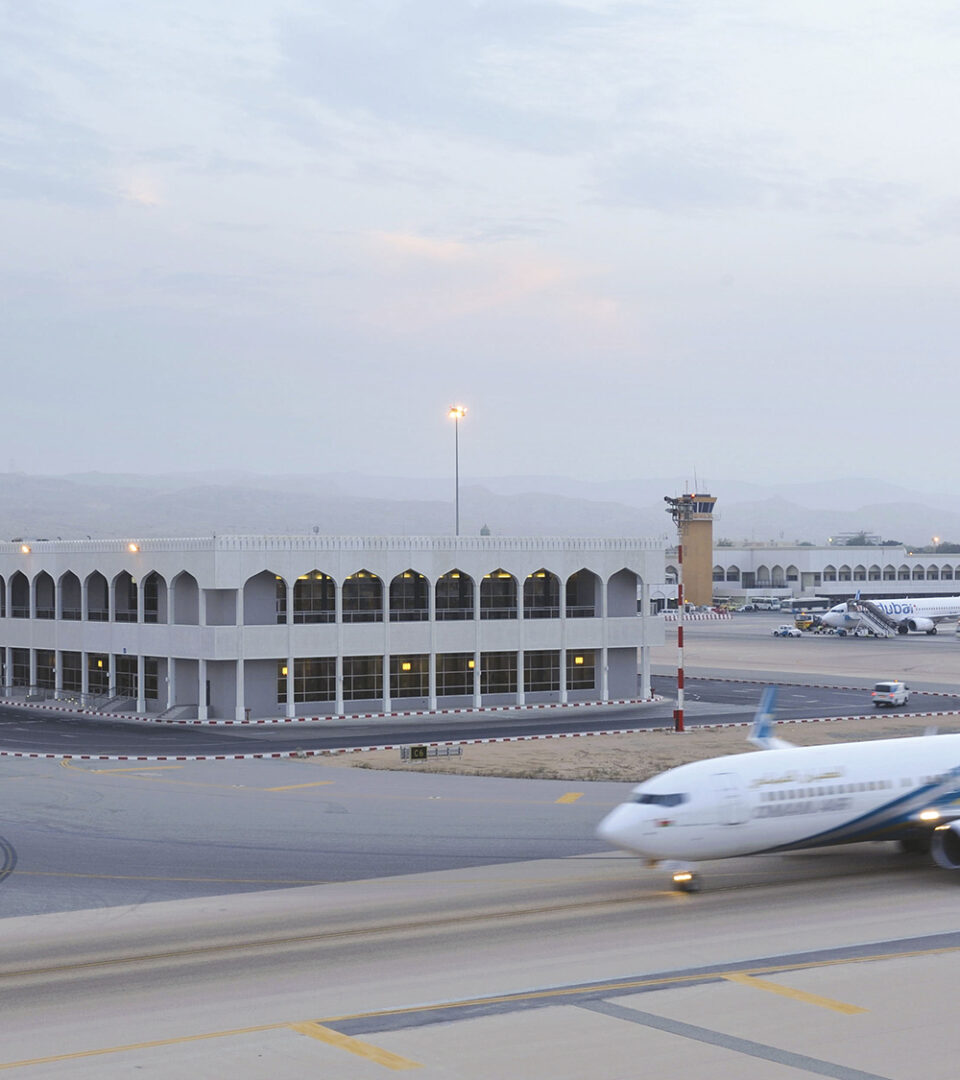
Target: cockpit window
(673, 799)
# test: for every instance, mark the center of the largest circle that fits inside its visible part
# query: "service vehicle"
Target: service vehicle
(890, 693)
(786, 630)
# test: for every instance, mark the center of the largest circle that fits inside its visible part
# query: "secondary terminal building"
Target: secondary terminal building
(230, 627)
(832, 571)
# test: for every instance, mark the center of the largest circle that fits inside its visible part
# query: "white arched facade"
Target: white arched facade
(260, 626)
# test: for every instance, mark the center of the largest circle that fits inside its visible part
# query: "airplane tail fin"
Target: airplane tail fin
(761, 732)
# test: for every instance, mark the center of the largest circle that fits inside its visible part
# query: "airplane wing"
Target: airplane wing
(760, 734)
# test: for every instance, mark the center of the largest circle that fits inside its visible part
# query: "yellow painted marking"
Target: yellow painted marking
(78, 1054)
(571, 796)
(355, 1046)
(145, 767)
(293, 787)
(796, 995)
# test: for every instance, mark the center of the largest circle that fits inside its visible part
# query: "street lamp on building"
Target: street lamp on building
(456, 413)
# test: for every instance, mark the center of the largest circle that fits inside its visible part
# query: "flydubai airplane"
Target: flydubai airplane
(792, 797)
(922, 613)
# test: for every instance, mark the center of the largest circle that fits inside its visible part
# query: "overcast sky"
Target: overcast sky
(632, 238)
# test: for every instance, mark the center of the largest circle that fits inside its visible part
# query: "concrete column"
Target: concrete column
(8, 668)
(140, 601)
(33, 657)
(477, 696)
(385, 676)
(171, 682)
(645, 690)
(57, 600)
(240, 713)
(385, 670)
(432, 661)
(564, 694)
(290, 711)
(521, 619)
(338, 620)
(201, 606)
(84, 676)
(57, 672)
(605, 681)
(32, 601)
(111, 601)
(171, 593)
(84, 599)
(111, 677)
(202, 712)
(141, 665)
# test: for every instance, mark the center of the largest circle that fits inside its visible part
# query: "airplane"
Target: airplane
(922, 613)
(788, 798)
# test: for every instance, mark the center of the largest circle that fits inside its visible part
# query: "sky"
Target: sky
(634, 239)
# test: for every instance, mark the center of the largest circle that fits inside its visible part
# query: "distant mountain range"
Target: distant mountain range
(201, 504)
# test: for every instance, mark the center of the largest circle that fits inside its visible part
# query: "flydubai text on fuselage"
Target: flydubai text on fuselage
(922, 613)
(798, 797)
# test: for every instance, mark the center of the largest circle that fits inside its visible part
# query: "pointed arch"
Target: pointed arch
(541, 595)
(98, 597)
(583, 594)
(498, 595)
(71, 596)
(125, 597)
(264, 599)
(314, 598)
(454, 595)
(44, 596)
(185, 598)
(362, 597)
(409, 597)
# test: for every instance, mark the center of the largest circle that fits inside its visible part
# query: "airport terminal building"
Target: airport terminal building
(231, 627)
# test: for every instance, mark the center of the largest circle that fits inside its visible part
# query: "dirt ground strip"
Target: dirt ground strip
(634, 757)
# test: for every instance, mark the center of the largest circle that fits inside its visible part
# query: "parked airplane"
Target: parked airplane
(793, 797)
(903, 614)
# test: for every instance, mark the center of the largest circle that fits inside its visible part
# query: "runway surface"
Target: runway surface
(839, 963)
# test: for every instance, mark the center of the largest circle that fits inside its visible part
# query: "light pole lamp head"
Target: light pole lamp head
(457, 412)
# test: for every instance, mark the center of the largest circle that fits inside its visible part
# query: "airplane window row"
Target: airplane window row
(673, 799)
(831, 789)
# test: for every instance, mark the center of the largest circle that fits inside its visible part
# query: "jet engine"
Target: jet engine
(945, 846)
(926, 625)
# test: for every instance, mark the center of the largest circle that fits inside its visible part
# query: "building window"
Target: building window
(498, 673)
(409, 598)
(280, 600)
(454, 595)
(19, 596)
(314, 600)
(98, 673)
(151, 678)
(125, 598)
(541, 596)
(454, 674)
(46, 669)
(362, 677)
(21, 667)
(498, 596)
(581, 669)
(541, 670)
(151, 599)
(582, 595)
(410, 676)
(125, 679)
(363, 598)
(71, 671)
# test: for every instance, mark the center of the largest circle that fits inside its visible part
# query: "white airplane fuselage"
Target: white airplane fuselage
(799, 797)
(911, 613)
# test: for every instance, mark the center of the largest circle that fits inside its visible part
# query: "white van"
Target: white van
(890, 693)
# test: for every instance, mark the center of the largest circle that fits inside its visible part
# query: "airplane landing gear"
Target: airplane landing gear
(686, 881)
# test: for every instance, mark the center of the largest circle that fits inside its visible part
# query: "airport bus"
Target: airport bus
(795, 604)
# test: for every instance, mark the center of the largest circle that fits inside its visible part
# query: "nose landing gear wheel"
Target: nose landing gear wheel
(686, 881)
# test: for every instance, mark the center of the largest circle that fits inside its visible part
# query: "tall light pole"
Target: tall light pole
(457, 412)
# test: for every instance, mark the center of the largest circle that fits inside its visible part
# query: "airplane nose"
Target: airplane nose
(624, 826)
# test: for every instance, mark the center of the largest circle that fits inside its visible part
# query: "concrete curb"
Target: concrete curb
(145, 718)
(452, 742)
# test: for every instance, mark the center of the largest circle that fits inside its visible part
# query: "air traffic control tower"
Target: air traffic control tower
(694, 517)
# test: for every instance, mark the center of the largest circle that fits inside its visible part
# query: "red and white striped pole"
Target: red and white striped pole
(678, 711)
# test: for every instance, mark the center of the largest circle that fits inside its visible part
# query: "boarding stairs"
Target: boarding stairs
(875, 618)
